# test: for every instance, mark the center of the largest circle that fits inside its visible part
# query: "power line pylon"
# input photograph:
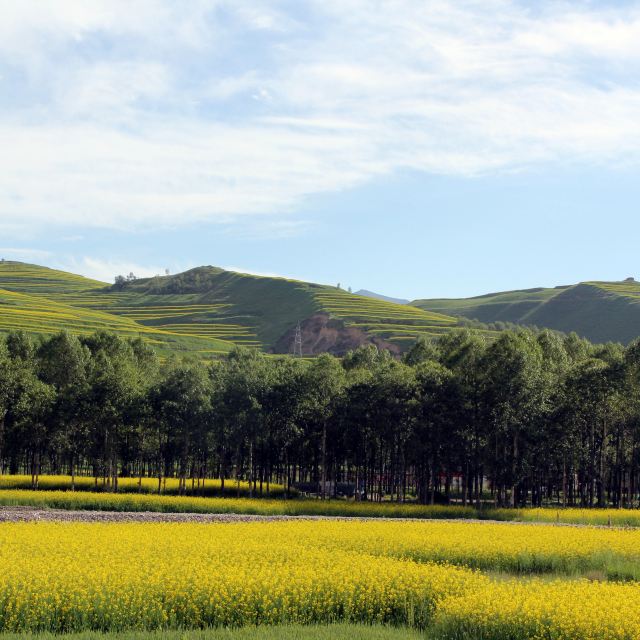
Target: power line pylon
(297, 342)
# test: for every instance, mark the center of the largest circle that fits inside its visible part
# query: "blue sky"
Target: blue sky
(418, 149)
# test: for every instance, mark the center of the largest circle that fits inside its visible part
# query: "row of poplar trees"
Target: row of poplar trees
(527, 418)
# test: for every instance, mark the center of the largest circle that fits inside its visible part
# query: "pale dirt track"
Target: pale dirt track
(34, 514)
(31, 514)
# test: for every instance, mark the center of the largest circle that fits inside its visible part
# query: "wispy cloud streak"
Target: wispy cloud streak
(158, 113)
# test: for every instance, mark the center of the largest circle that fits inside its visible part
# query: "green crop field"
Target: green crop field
(257, 311)
(207, 310)
(204, 311)
(626, 289)
(43, 301)
(199, 320)
(394, 322)
(599, 311)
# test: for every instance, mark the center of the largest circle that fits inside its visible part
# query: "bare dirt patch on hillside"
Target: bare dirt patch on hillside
(323, 334)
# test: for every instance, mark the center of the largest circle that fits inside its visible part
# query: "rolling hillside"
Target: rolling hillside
(260, 311)
(600, 311)
(43, 301)
(207, 310)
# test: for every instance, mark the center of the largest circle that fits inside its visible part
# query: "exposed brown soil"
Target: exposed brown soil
(323, 334)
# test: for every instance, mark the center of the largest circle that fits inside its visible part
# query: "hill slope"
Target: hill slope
(263, 311)
(600, 311)
(43, 301)
(207, 310)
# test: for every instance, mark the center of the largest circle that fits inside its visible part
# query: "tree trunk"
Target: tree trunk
(323, 492)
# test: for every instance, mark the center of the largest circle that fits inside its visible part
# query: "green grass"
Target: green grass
(397, 323)
(599, 311)
(268, 307)
(507, 306)
(43, 301)
(205, 310)
(90, 501)
(288, 632)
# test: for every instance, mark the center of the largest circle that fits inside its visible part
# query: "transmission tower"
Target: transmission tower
(297, 342)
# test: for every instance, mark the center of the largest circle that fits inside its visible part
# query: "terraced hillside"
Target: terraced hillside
(43, 301)
(600, 311)
(260, 311)
(244, 309)
(207, 310)
(396, 323)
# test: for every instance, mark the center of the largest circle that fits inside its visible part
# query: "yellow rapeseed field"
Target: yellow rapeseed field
(16, 489)
(133, 501)
(169, 486)
(60, 576)
(514, 548)
(73, 576)
(558, 610)
(611, 517)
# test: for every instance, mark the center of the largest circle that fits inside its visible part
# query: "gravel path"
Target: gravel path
(30, 514)
(34, 514)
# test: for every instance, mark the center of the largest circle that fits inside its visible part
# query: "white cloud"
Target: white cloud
(169, 175)
(157, 114)
(38, 27)
(112, 90)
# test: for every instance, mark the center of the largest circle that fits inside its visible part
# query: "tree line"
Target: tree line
(532, 417)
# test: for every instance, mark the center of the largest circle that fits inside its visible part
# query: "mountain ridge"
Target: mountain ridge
(601, 311)
(207, 310)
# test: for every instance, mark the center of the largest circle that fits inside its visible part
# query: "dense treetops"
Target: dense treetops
(531, 417)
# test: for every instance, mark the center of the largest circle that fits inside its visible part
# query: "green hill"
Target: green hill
(207, 310)
(600, 311)
(42, 301)
(259, 311)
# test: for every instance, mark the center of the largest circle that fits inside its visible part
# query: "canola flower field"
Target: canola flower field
(207, 314)
(44, 301)
(90, 501)
(54, 492)
(388, 320)
(62, 577)
(208, 487)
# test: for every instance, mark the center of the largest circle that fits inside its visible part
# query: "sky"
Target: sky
(418, 148)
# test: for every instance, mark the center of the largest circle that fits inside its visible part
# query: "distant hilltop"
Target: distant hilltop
(379, 296)
(207, 311)
(599, 311)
